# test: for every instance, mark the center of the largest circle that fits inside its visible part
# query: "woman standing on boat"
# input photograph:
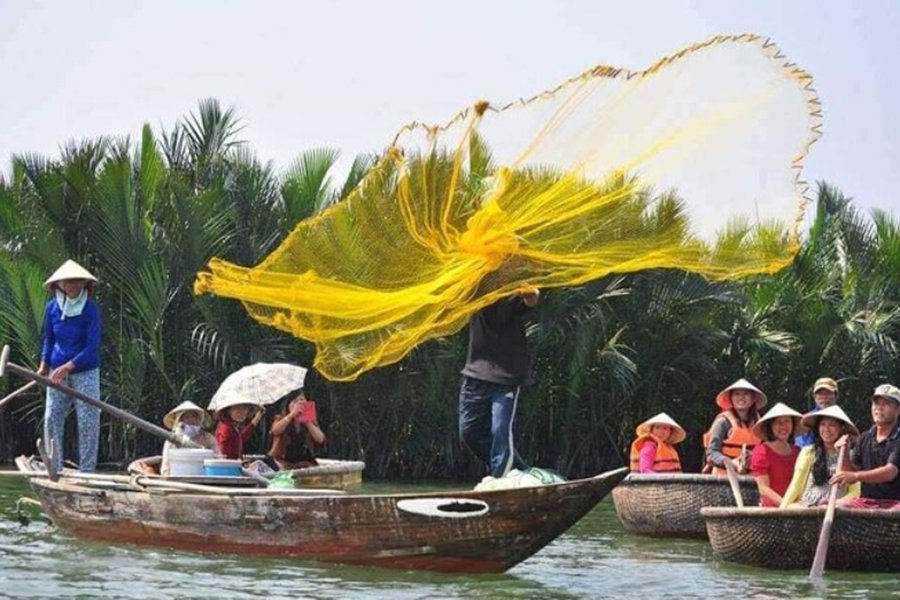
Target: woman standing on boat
(70, 355)
(654, 449)
(731, 435)
(810, 485)
(773, 461)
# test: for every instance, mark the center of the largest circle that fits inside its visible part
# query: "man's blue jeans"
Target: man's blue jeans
(486, 413)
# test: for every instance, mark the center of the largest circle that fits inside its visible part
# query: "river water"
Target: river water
(595, 559)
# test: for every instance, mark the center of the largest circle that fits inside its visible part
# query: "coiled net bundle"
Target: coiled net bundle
(692, 164)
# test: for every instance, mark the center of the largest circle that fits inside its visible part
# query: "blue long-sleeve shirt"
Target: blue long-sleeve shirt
(806, 439)
(75, 339)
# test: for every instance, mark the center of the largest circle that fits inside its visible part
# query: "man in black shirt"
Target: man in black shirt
(875, 463)
(498, 363)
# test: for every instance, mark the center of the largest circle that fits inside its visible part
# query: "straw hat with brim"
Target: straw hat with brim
(69, 270)
(224, 402)
(724, 397)
(678, 433)
(187, 406)
(810, 420)
(777, 411)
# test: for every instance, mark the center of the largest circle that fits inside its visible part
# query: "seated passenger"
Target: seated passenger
(731, 437)
(816, 464)
(825, 394)
(772, 463)
(654, 449)
(295, 433)
(191, 421)
(236, 426)
(875, 463)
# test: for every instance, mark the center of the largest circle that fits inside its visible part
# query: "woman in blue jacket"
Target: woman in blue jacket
(70, 354)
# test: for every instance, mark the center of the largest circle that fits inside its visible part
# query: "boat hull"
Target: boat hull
(669, 505)
(861, 540)
(361, 530)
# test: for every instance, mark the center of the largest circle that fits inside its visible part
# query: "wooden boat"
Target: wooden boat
(455, 532)
(669, 505)
(330, 473)
(861, 540)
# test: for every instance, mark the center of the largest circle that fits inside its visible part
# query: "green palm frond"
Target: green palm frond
(22, 302)
(306, 185)
(210, 134)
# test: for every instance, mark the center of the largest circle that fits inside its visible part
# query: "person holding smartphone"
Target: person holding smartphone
(296, 433)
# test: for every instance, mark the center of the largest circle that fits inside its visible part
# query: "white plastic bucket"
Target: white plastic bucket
(188, 462)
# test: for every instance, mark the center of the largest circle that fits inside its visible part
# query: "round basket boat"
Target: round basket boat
(331, 474)
(669, 505)
(861, 540)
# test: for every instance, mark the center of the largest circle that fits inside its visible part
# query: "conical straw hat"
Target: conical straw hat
(662, 418)
(810, 420)
(69, 270)
(187, 406)
(724, 397)
(229, 398)
(777, 411)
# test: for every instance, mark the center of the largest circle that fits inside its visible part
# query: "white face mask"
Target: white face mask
(191, 431)
(71, 307)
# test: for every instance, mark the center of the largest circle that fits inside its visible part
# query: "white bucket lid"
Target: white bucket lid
(195, 453)
(222, 462)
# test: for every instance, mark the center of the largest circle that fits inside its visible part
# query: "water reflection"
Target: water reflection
(596, 559)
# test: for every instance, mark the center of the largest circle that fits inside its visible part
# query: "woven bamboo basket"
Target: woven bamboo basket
(669, 505)
(861, 540)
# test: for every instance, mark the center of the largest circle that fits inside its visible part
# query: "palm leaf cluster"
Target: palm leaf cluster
(147, 215)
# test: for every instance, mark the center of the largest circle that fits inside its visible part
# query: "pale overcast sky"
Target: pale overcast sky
(349, 74)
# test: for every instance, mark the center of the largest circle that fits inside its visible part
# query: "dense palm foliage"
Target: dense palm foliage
(145, 216)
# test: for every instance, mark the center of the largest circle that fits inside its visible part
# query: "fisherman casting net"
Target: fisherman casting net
(692, 164)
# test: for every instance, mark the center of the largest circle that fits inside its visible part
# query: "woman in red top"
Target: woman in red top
(233, 431)
(773, 461)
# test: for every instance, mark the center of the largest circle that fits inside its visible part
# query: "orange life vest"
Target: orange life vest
(739, 438)
(666, 460)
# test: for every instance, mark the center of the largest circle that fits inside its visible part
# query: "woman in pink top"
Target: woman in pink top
(653, 451)
(773, 461)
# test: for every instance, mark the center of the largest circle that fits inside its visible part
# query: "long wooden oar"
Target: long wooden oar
(818, 566)
(18, 392)
(175, 438)
(735, 484)
(168, 484)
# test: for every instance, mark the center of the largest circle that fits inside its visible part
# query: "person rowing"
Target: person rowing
(816, 464)
(875, 462)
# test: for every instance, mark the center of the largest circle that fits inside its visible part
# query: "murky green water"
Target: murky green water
(596, 559)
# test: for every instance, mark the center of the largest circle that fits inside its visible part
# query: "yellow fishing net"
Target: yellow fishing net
(555, 190)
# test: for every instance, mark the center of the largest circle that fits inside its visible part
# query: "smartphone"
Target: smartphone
(308, 412)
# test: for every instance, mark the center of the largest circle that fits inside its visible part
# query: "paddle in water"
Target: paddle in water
(818, 566)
